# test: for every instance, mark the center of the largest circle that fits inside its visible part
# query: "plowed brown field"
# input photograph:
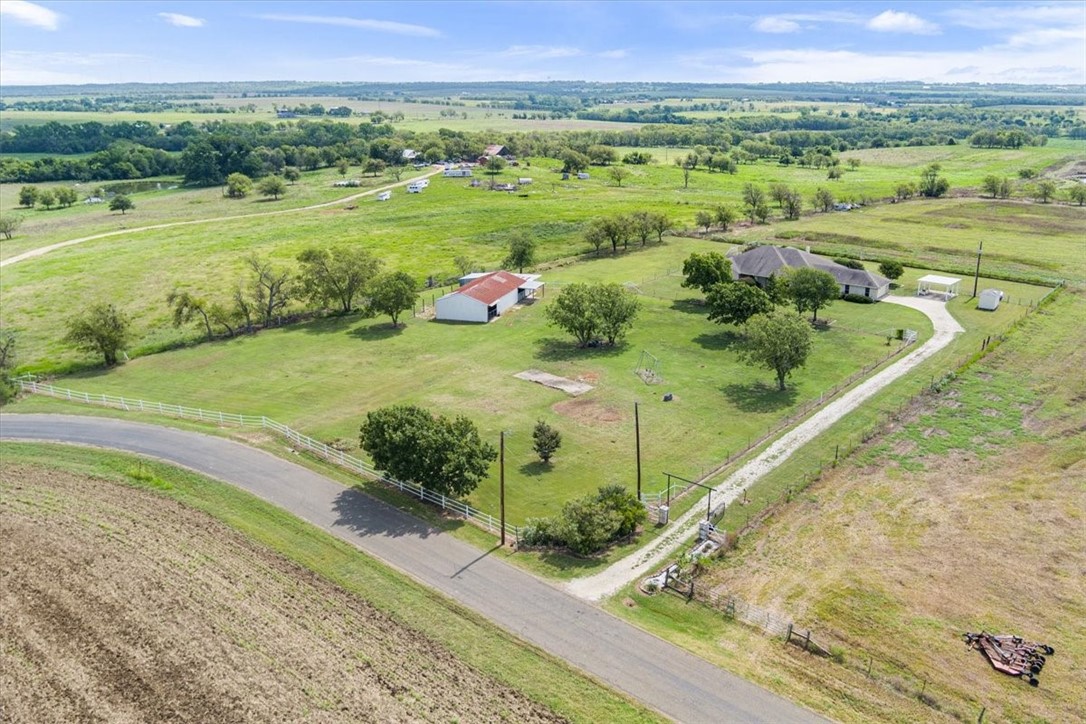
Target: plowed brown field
(119, 605)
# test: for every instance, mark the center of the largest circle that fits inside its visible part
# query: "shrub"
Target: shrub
(850, 263)
(858, 298)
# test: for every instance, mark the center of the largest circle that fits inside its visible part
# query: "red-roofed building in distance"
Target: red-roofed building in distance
(485, 295)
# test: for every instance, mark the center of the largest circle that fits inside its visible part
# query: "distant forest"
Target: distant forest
(206, 152)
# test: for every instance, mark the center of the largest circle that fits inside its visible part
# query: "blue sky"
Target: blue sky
(134, 41)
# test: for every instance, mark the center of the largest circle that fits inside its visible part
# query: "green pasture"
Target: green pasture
(321, 378)
(417, 116)
(1021, 239)
(172, 203)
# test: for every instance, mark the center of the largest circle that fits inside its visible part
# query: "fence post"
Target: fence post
(788, 638)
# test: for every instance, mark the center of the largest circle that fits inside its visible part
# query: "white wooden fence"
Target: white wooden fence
(29, 384)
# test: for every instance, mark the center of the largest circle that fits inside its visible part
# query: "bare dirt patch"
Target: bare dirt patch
(120, 605)
(588, 411)
(570, 387)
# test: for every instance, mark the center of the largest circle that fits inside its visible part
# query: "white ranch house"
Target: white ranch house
(484, 296)
(762, 262)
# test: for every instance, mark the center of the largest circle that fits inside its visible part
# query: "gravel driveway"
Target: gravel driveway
(644, 562)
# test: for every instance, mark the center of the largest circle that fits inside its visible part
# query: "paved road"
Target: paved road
(647, 561)
(664, 677)
(42, 250)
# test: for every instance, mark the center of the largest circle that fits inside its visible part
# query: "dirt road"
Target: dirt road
(663, 676)
(645, 562)
(71, 242)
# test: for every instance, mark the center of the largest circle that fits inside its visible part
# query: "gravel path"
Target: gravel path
(71, 242)
(645, 562)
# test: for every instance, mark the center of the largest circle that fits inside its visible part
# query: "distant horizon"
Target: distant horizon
(556, 81)
(946, 42)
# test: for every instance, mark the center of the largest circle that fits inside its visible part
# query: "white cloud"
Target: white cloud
(27, 13)
(891, 21)
(22, 67)
(1059, 63)
(1013, 17)
(182, 21)
(383, 26)
(775, 24)
(614, 54)
(540, 52)
(1044, 37)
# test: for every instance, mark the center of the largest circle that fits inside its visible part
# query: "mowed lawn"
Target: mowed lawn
(322, 377)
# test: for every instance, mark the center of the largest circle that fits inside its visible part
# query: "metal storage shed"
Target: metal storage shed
(989, 300)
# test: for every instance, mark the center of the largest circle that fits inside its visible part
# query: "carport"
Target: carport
(949, 286)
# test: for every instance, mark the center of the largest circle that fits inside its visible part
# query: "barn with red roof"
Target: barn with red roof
(484, 296)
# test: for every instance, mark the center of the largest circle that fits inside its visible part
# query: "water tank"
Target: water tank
(662, 513)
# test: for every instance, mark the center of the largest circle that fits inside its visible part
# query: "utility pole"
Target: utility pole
(637, 437)
(501, 467)
(976, 277)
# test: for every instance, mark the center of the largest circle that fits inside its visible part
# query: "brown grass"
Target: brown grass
(896, 554)
(119, 605)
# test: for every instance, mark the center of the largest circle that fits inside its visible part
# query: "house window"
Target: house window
(846, 289)
(867, 291)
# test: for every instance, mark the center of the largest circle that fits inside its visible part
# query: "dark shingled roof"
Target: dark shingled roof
(765, 261)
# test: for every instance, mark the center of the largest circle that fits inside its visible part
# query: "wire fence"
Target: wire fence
(489, 522)
(881, 669)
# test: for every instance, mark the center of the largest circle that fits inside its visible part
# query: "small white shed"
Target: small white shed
(989, 300)
(384, 196)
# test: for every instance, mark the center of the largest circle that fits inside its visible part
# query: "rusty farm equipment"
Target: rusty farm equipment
(1011, 655)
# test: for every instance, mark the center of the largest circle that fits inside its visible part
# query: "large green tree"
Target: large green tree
(616, 308)
(337, 276)
(415, 446)
(932, 184)
(121, 203)
(779, 341)
(101, 329)
(573, 312)
(392, 293)
(810, 289)
(9, 225)
(703, 271)
(736, 303)
(891, 269)
(187, 307)
(521, 252)
(28, 196)
(586, 311)
(273, 186)
(272, 288)
(238, 185)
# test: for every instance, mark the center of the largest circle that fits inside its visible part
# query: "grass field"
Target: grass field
(1022, 239)
(967, 515)
(418, 117)
(138, 590)
(172, 203)
(321, 377)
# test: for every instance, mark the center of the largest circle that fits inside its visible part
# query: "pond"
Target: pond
(134, 187)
